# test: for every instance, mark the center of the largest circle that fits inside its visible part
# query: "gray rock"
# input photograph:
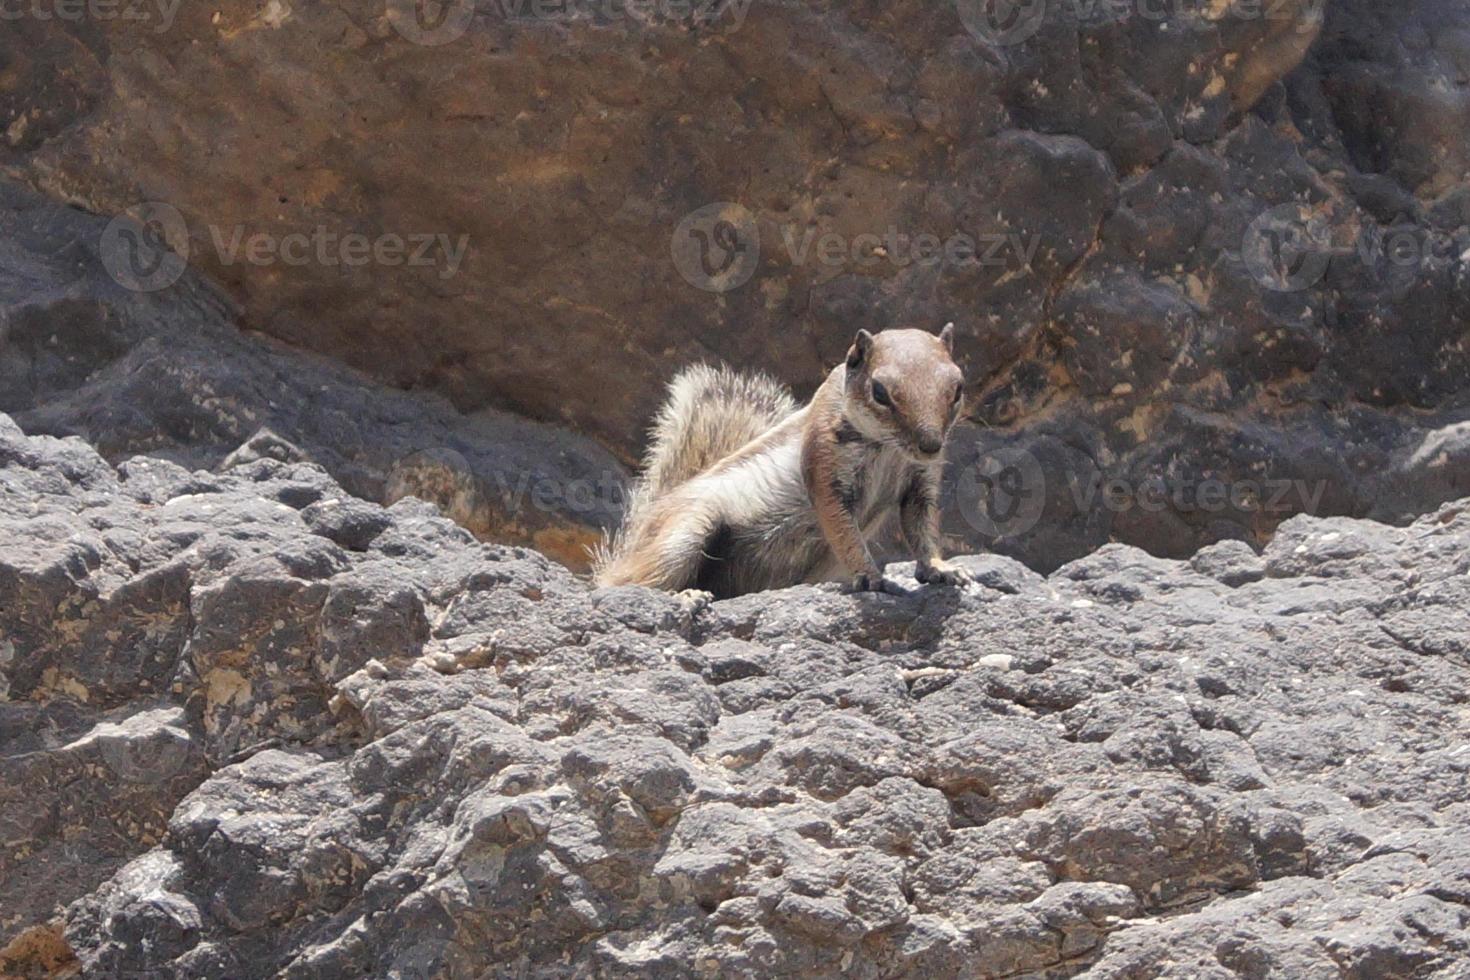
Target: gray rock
(169, 377)
(233, 747)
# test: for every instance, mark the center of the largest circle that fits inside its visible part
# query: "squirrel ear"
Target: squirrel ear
(946, 335)
(858, 352)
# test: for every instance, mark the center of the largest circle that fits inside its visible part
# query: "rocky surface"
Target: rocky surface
(170, 374)
(1213, 241)
(251, 726)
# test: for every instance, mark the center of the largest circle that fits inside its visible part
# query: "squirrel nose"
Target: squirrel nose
(930, 443)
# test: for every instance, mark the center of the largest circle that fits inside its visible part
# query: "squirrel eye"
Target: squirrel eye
(880, 395)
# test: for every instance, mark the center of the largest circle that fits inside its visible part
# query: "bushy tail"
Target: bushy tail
(710, 412)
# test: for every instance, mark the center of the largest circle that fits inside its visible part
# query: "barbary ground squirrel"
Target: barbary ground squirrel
(744, 491)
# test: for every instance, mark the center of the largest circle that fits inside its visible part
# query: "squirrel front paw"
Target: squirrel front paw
(874, 581)
(940, 572)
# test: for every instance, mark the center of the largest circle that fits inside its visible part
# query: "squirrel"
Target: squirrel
(743, 491)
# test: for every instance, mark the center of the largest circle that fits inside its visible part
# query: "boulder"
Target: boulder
(248, 734)
(170, 375)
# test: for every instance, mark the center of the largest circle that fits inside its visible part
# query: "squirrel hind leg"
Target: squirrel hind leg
(715, 571)
(710, 412)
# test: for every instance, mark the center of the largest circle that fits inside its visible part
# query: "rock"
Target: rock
(1208, 262)
(353, 524)
(1230, 562)
(265, 444)
(424, 755)
(169, 378)
(81, 794)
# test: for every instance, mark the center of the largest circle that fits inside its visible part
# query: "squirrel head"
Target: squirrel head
(904, 388)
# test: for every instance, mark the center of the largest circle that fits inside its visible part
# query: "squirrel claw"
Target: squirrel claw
(942, 573)
(875, 582)
(870, 582)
